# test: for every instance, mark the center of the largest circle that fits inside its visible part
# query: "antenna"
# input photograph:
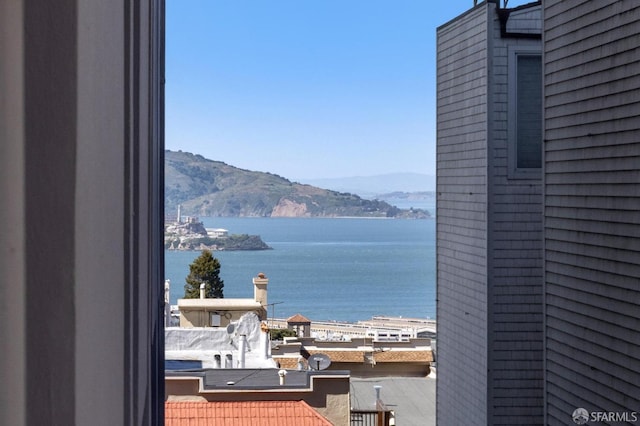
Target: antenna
(319, 361)
(273, 310)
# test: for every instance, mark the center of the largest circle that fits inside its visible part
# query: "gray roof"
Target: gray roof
(412, 398)
(253, 379)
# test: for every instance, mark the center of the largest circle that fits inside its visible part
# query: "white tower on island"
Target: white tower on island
(179, 218)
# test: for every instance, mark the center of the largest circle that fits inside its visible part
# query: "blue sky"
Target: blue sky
(306, 89)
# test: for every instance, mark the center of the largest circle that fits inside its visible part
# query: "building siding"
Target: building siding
(489, 232)
(515, 339)
(462, 219)
(592, 204)
(525, 20)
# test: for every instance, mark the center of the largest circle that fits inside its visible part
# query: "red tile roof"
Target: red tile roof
(359, 356)
(241, 413)
(298, 318)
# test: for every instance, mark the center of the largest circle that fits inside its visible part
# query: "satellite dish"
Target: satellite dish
(319, 361)
(231, 328)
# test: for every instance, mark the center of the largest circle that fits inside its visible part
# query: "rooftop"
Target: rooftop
(412, 398)
(360, 356)
(219, 303)
(250, 413)
(236, 379)
(298, 318)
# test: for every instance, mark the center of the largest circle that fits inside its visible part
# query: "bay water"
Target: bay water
(345, 269)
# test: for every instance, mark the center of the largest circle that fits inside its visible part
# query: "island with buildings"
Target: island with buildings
(189, 233)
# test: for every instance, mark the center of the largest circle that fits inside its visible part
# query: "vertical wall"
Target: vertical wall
(592, 205)
(515, 377)
(462, 219)
(81, 183)
(50, 136)
(12, 242)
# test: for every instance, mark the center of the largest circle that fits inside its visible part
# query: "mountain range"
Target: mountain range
(206, 187)
(375, 186)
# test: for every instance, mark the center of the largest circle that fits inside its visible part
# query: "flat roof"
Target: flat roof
(221, 303)
(412, 398)
(254, 378)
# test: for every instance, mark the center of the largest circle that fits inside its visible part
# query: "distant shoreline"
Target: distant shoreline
(323, 217)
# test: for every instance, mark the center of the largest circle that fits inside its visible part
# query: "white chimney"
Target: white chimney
(242, 348)
(282, 374)
(202, 286)
(264, 341)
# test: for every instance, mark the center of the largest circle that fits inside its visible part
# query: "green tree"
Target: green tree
(204, 269)
(281, 333)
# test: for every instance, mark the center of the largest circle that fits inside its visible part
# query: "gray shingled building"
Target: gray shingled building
(592, 208)
(489, 231)
(538, 263)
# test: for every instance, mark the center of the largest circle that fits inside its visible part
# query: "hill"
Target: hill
(212, 188)
(372, 186)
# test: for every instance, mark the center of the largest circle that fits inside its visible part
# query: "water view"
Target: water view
(327, 269)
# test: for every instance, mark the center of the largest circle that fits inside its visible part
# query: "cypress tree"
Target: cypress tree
(204, 269)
